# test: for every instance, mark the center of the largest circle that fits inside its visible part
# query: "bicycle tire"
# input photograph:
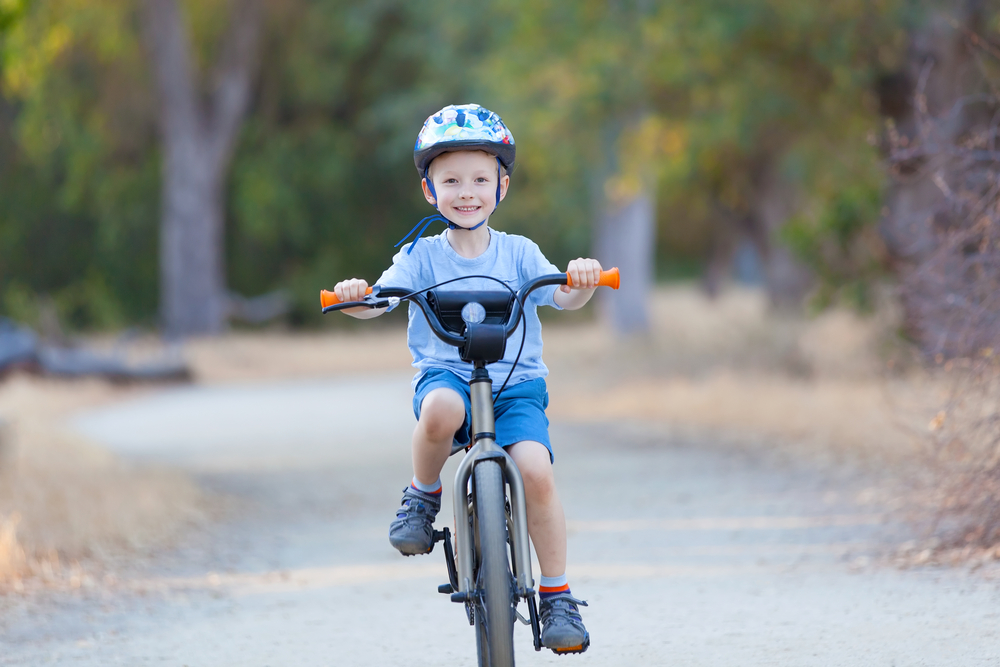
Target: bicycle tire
(495, 632)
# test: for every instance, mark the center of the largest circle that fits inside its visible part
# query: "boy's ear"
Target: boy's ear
(504, 183)
(427, 192)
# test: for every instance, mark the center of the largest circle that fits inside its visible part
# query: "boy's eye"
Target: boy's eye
(482, 179)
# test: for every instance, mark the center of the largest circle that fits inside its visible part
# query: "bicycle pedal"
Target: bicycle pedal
(573, 649)
(460, 597)
(446, 589)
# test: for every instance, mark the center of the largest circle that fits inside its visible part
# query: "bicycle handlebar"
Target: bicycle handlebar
(385, 296)
(328, 298)
(608, 278)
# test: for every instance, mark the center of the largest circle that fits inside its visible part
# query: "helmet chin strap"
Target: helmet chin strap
(425, 223)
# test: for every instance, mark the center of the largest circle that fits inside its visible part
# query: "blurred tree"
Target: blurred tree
(733, 123)
(577, 78)
(10, 12)
(321, 170)
(942, 106)
(323, 182)
(78, 182)
(199, 132)
(743, 115)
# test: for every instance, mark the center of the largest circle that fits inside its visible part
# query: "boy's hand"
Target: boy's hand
(351, 290)
(584, 273)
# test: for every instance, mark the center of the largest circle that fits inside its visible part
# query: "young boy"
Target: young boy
(464, 155)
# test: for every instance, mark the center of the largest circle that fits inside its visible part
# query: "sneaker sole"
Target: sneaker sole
(414, 553)
(420, 553)
(574, 649)
(411, 549)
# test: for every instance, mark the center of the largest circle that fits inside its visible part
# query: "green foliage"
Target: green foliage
(702, 98)
(79, 166)
(693, 99)
(11, 11)
(840, 244)
(323, 183)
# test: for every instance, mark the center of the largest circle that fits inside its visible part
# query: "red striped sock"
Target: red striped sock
(549, 591)
(431, 491)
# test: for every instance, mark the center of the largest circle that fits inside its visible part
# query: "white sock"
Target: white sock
(434, 488)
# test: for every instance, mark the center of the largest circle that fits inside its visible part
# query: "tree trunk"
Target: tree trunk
(787, 280)
(198, 140)
(731, 233)
(192, 271)
(626, 238)
(624, 235)
(772, 201)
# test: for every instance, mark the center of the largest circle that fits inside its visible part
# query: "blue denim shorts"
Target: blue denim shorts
(519, 414)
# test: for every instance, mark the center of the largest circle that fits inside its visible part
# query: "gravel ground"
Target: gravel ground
(691, 551)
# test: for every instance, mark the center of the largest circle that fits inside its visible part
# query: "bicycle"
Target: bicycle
(483, 574)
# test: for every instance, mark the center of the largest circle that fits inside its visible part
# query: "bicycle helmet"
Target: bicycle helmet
(459, 127)
(463, 127)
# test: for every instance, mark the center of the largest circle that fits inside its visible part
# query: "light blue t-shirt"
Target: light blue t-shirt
(510, 258)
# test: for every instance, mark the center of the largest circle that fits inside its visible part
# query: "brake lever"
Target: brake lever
(390, 302)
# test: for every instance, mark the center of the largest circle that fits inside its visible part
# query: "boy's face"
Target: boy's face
(466, 186)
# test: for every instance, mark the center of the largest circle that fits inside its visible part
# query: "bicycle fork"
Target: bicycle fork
(484, 448)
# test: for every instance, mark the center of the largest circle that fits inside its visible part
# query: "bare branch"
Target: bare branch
(233, 75)
(170, 47)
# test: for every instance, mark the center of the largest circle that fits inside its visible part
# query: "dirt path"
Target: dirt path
(690, 552)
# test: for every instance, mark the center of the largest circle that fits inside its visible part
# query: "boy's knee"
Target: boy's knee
(532, 459)
(441, 413)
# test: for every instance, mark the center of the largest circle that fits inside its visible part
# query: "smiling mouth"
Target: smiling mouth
(467, 209)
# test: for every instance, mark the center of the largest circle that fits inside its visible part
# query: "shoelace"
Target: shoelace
(415, 505)
(562, 611)
(565, 597)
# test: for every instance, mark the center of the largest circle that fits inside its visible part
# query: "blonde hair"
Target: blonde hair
(430, 167)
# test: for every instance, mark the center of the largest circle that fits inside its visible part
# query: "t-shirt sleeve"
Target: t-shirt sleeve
(534, 264)
(404, 272)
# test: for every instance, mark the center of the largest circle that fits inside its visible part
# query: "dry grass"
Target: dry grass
(817, 384)
(963, 458)
(67, 505)
(242, 357)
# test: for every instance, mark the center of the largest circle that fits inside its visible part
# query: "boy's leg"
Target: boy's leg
(442, 412)
(562, 625)
(546, 519)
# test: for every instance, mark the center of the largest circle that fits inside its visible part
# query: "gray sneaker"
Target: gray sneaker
(411, 531)
(562, 627)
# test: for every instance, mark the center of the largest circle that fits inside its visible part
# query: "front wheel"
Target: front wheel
(494, 611)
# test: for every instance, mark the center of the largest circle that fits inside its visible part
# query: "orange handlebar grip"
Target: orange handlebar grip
(608, 278)
(328, 298)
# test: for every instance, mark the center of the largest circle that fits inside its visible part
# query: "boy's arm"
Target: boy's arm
(354, 290)
(584, 274)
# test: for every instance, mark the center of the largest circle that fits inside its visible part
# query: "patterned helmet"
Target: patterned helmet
(463, 127)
